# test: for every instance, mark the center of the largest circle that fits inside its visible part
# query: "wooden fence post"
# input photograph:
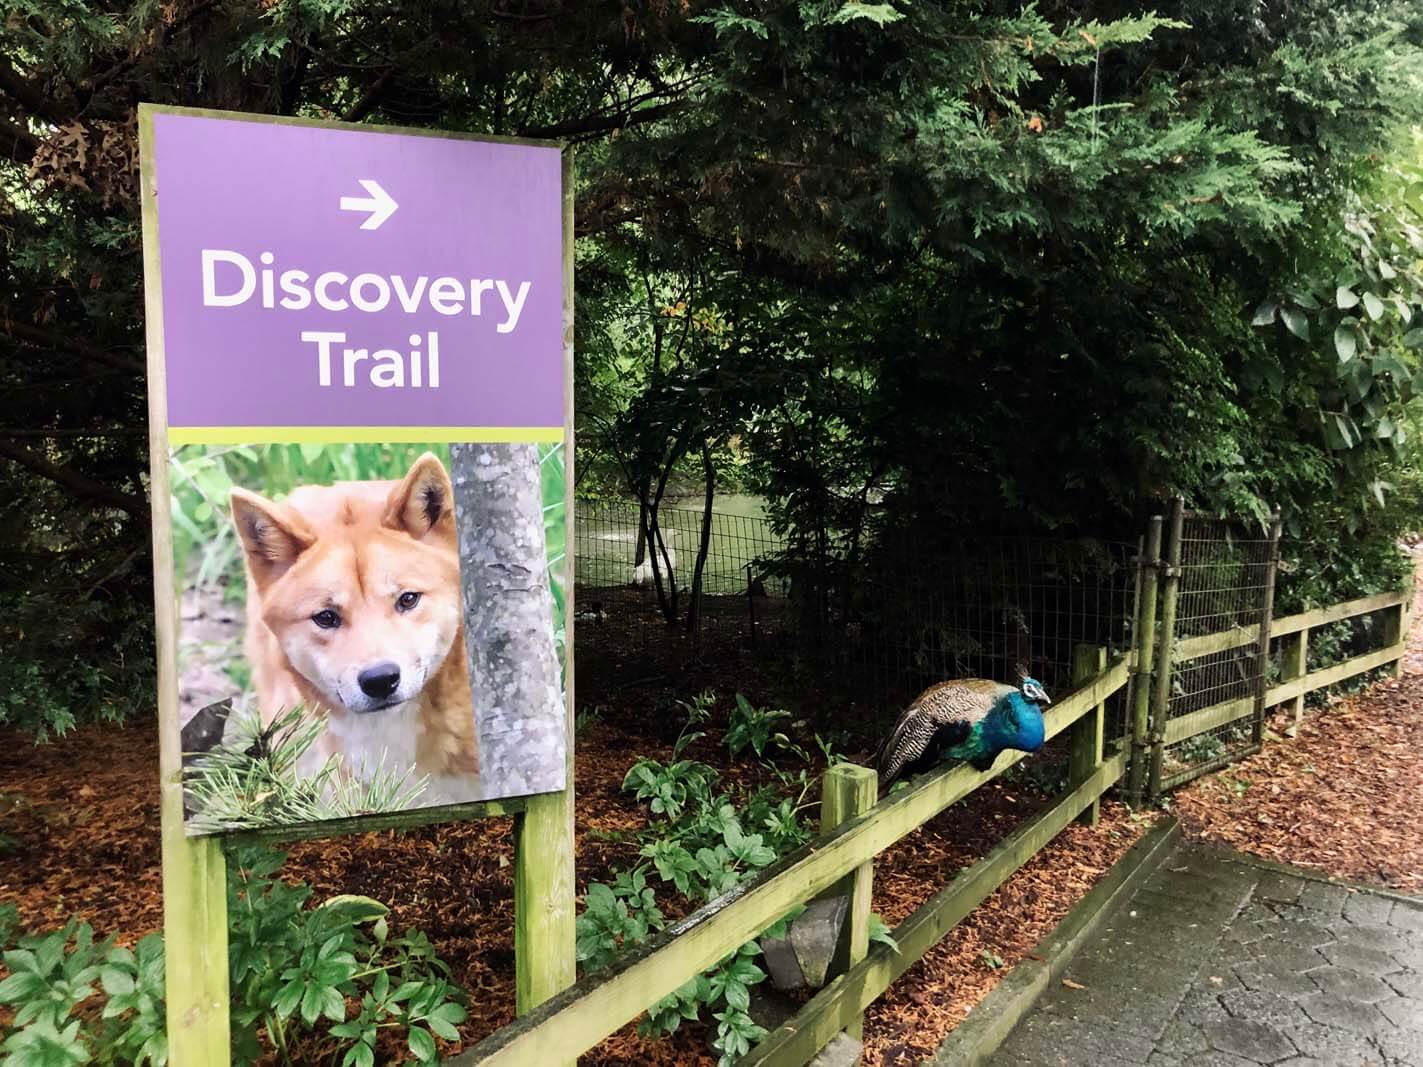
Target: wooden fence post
(1294, 663)
(545, 941)
(1089, 732)
(1161, 691)
(1144, 637)
(1267, 614)
(848, 791)
(1395, 632)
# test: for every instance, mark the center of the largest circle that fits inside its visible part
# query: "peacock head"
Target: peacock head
(1033, 691)
(1017, 722)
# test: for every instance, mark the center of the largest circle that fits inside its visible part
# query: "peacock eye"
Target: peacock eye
(406, 601)
(327, 619)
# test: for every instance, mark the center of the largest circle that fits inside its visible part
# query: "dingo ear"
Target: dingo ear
(423, 501)
(273, 535)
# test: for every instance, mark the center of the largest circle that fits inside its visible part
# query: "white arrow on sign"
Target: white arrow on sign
(380, 204)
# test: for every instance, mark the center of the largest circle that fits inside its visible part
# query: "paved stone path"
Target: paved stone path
(1216, 962)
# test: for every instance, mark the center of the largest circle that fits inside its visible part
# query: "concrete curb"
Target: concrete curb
(993, 1018)
(1245, 859)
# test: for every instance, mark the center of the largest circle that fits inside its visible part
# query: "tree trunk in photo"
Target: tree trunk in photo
(508, 618)
(694, 601)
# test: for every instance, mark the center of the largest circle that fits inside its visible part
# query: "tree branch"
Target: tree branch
(604, 123)
(17, 144)
(370, 98)
(36, 335)
(27, 95)
(73, 480)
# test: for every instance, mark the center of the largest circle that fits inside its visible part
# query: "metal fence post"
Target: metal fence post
(1144, 638)
(1161, 691)
(849, 791)
(1088, 733)
(1267, 614)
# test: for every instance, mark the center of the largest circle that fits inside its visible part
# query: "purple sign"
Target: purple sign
(317, 277)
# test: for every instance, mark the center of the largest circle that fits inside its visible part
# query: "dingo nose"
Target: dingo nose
(379, 681)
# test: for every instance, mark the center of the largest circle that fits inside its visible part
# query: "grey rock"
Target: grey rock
(1344, 984)
(1407, 984)
(1367, 909)
(814, 935)
(781, 962)
(1407, 917)
(770, 1008)
(841, 1051)
(1287, 984)
(1338, 1047)
(1270, 1009)
(1364, 960)
(1404, 1012)
(1348, 1015)
(1249, 1040)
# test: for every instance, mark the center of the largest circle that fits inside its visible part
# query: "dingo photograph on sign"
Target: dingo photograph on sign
(323, 667)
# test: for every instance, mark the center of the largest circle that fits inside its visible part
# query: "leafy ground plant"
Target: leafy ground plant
(296, 968)
(334, 971)
(702, 843)
(54, 976)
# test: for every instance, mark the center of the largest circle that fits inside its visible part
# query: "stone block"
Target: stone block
(814, 934)
(782, 963)
(841, 1051)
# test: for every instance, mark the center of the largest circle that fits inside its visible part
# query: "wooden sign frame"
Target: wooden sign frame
(195, 916)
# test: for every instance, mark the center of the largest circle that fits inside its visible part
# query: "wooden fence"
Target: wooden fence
(855, 829)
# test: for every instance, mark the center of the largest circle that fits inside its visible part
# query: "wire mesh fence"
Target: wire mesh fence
(636, 620)
(863, 631)
(991, 607)
(611, 553)
(1224, 576)
(874, 633)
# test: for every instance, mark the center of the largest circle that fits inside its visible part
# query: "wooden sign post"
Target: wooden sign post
(318, 289)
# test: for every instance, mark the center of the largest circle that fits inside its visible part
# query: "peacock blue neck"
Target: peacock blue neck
(1015, 722)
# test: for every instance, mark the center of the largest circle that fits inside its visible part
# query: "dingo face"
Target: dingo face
(359, 584)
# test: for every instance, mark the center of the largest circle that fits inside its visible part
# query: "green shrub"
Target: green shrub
(702, 843)
(294, 969)
(52, 975)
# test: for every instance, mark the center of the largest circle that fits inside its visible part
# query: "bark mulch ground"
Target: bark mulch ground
(82, 815)
(1341, 797)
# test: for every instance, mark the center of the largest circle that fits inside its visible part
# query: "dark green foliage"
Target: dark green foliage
(295, 971)
(52, 975)
(702, 843)
(935, 264)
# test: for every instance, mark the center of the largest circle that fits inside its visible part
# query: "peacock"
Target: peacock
(970, 719)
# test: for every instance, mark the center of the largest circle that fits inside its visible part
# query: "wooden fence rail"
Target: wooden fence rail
(576, 1019)
(1296, 680)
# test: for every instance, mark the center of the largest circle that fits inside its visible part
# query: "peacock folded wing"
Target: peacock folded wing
(940, 716)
